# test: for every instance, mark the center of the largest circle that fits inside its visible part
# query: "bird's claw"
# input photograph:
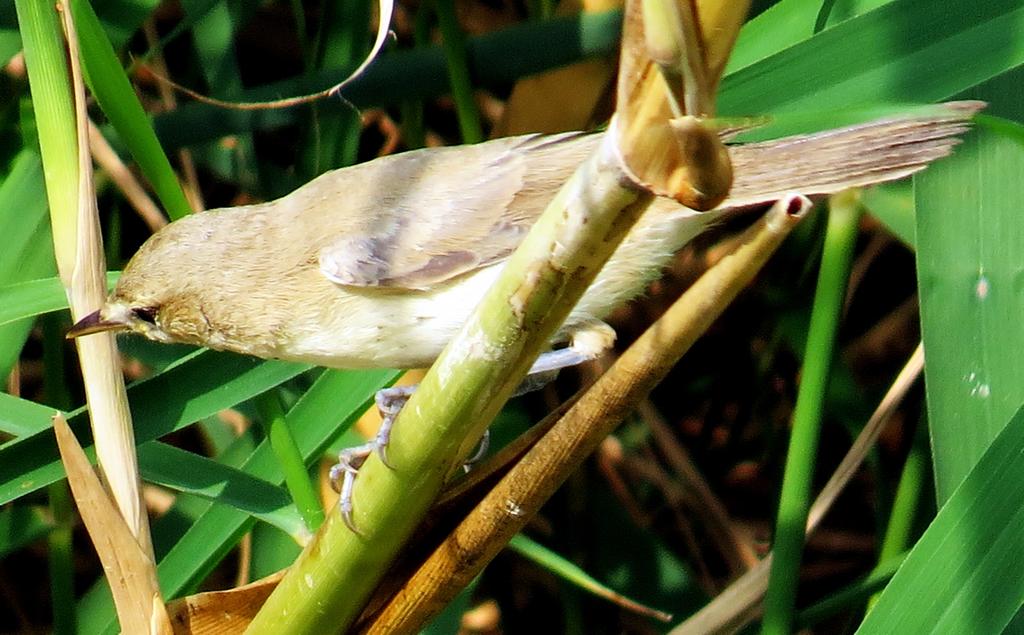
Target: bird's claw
(389, 403)
(343, 475)
(481, 450)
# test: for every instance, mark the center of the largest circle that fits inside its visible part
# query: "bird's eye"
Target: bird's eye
(146, 314)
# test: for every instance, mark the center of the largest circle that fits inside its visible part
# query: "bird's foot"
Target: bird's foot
(587, 344)
(343, 475)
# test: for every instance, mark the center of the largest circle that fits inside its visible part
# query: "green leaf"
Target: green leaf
(969, 235)
(963, 576)
(789, 22)
(213, 38)
(565, 569)
(117, 98)
(183, 471)
(899, 52)
(28, 251)
(272, 551)
(186, 472)
(197, 387)
(21, 417)
(22, 214)
(36, 297)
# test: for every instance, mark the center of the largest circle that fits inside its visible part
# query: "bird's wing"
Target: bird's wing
(446, 211)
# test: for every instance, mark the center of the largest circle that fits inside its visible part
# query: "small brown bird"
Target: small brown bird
(379, 264)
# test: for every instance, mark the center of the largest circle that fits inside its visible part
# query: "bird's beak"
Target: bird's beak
(94, 323)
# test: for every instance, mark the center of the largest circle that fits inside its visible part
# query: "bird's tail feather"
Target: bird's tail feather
(854, 156)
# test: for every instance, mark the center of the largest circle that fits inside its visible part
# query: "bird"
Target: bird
(378, 265)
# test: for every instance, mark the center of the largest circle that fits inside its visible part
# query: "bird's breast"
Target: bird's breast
(385, 328)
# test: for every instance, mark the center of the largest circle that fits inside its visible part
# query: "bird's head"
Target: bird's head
(159, 294)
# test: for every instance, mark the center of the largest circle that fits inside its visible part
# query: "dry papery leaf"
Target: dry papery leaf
(125, 564)
(221, 612)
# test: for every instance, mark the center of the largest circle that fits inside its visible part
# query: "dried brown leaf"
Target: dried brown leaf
(221, 612)
(130, 572)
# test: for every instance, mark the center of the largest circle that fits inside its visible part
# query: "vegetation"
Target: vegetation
(684, 498)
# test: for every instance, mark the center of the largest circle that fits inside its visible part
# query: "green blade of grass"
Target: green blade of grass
(575, 575)
(61, 559)
(13, 335)
(201, 385)
(893, 204)
(117, 98)
(200, 476)
(21, 417)
(123, 18)
(801, 458)
(969, 233)
(906, 505)
(290, 459)
(963, 576)
(271, 551)
(31, 188)
(36, 297)
(22, 214)
(899, 52)
(789, 22)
